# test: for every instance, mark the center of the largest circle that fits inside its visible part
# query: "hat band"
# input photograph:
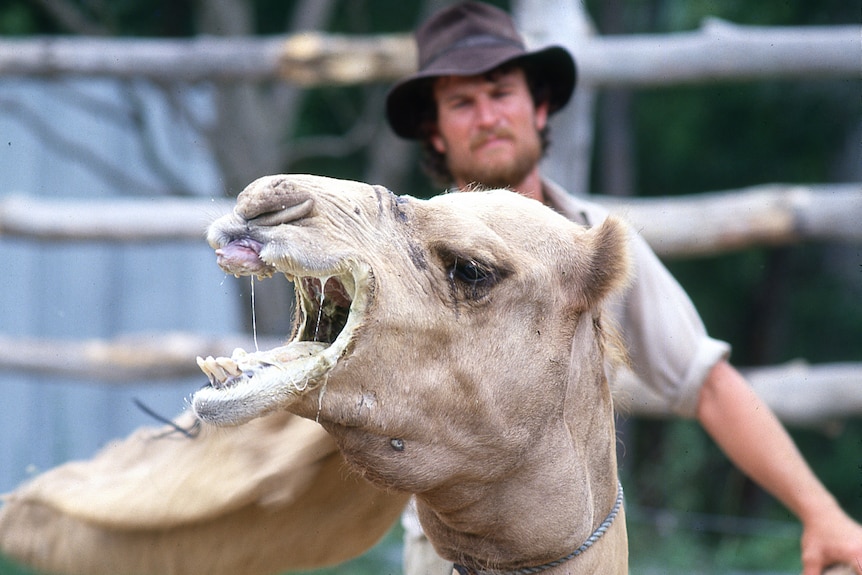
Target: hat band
(473, 42)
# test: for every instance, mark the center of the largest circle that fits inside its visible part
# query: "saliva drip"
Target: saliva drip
(253, 316)
(320, 395)
(320, 307)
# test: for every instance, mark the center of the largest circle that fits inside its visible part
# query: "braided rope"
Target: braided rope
(591, 540)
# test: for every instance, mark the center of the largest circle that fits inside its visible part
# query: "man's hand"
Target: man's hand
(751, 435)
(829, 539)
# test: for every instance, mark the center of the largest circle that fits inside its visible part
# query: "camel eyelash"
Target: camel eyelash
(470, 272)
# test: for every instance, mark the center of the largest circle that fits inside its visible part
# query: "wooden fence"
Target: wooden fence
(675, 227)
(678, 227)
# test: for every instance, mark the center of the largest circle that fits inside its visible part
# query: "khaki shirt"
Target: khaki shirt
(666, 340)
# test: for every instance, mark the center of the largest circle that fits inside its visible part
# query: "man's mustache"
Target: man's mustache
(485, 136)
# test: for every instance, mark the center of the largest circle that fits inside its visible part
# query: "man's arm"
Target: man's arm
(750, 434)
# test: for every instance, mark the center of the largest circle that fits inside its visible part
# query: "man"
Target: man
(480, 104)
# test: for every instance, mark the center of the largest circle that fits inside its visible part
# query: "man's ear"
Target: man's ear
(541, 116)
(437, 142)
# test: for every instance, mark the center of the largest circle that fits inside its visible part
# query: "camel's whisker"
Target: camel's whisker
(190, 433)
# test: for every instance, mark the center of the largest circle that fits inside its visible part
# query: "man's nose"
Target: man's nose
(487, 114)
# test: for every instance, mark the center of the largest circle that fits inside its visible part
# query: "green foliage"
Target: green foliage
(689, 508)
(670, 546)
(716, 137)
(17, 18)
(383, 559)
(661, 16)
(838, 464)
(8, 567)
(119, 17)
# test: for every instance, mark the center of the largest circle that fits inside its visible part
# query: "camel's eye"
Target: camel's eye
(470, 279)
(470, 272)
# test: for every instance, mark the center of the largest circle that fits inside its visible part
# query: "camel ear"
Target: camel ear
(607, 266)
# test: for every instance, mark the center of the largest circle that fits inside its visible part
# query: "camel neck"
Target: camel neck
(590, 541)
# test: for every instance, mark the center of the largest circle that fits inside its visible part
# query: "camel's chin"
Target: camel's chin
(248, 385)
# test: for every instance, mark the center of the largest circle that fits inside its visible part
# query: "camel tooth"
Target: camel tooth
(215, 372)
(218, 373)
(229, 366)
(204, 367)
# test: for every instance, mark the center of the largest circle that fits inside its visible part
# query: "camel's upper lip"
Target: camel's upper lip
(330, 307)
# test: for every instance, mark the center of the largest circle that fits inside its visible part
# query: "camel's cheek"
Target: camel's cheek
(389, 462)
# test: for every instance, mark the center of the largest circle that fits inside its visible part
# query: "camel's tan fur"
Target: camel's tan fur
(262, 498)
(472, 374)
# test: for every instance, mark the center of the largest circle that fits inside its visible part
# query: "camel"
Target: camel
(454, 348)
(456, 352)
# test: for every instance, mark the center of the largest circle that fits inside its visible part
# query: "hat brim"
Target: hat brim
(409, 98)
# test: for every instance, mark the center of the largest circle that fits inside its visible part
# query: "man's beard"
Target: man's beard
(498, 175)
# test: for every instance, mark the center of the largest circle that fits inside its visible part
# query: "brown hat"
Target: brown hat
(467, 39)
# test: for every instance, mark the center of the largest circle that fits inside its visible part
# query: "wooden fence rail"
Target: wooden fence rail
(800, 394)
(711, 223)
(111, 220)
(138, 357)
(717, 51)
(684, 226)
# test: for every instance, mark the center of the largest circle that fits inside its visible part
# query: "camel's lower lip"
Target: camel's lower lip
(251, 384)
(242, 258)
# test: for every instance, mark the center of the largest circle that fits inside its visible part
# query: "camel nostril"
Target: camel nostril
(273, 200)
(283, 214)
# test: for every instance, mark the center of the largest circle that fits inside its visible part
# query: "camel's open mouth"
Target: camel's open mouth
(250, 384)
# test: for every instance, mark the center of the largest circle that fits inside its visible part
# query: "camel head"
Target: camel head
(453, 347)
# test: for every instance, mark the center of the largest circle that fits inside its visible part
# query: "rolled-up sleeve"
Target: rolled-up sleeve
(667, 343)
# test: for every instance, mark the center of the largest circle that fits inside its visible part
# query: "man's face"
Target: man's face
(488, 128)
